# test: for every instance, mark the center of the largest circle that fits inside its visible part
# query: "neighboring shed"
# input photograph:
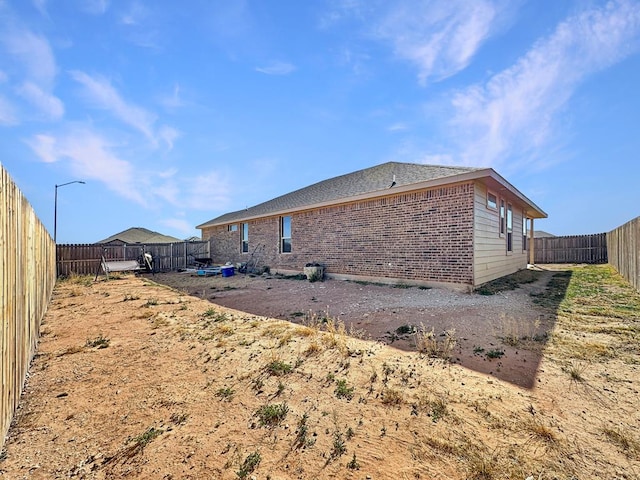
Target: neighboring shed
(396, 222)
(138, 235)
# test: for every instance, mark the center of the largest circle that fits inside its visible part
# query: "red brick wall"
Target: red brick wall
(425, 235)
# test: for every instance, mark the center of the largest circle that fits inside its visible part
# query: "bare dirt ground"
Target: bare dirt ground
(392, 314)
(137, 380)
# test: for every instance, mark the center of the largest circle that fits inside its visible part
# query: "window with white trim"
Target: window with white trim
(492, 201)
(509, 228)
(233, 227)
(285, 234)
(245, 237)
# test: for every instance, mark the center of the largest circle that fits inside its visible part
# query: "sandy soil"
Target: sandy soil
(136, 380)
(478, 323)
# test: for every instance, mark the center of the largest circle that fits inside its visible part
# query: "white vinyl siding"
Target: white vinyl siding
(490, 259)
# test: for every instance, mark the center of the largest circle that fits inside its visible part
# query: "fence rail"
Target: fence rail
(84, 259)
(571, 249)
(27, 278)
(624, 251)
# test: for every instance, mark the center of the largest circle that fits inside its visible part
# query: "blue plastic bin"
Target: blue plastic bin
(227, 271)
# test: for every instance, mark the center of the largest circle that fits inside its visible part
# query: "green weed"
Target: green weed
(272, 414)
(279, 368)
(249, 465)
(99, 342)
(343, 390)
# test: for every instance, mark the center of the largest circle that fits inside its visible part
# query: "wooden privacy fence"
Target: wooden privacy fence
(27, 278)
(84, 259)
(571, 249)
(624, 251)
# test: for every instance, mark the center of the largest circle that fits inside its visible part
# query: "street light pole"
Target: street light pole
(55, 209)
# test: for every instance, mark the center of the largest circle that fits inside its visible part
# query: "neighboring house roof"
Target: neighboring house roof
(139, 235)
(542, 234)
(370, 182)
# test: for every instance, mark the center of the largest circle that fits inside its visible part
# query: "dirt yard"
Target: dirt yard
(134, 379)
(392, 315)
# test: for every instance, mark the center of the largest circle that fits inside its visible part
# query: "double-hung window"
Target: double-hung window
(245, 237)
(509, 228)
(285, 234)
(492, 201)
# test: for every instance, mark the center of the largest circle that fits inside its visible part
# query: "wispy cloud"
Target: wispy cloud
(168, 135)
(34, 53)
(173, 100)
(140, 24)
(135, 15)
(90, 157)
(94, 7)
(439, 38)
(100, 91)
(209, 191)
(41, 6)
(179, 224)
(47, 103)
(277, 68)
(513, 113)
(397, 127)
(8, 114)
(36, 62)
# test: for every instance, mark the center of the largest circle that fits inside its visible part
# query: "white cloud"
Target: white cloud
(44, 147)
(179, 224)
(277, 68)
(397, 127)
(47, 103)
(104, 95)
(8, 115)
(209, 191)
(94, 7)
(35, 54)
(439, 38)
(513, 113)
(41, 6)
(173, 100)
(90, 157)
(169, 135)
(136, 14)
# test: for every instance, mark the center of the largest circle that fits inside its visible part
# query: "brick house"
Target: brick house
(394, 222)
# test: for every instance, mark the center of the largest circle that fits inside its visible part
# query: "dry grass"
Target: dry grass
(250, 399)
(624, 439)
(435, 346)
(335, 336)
(392, 397)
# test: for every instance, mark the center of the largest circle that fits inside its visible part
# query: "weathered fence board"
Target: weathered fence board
(27, 278)
(84, 259)
(624, 251)
(571, 249)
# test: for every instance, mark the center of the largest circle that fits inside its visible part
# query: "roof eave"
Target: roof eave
(533, 210)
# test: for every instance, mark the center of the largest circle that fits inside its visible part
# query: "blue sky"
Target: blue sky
(176, 112)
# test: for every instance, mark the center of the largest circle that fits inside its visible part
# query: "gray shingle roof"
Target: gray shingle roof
(140, 235)
(369, 180)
